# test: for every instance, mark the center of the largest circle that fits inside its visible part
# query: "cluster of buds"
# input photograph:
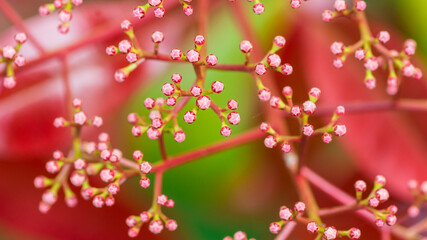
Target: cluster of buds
(286, 215)
(134, 55)
(65, 8)
(330, 232)
(193, 55)
(86, 159)
(302, 114)
(419, 191)
(377, 196)
(397, 62)
(239, 235)
(157, 220)
(159, 10)
(10, 56)
(271, 59)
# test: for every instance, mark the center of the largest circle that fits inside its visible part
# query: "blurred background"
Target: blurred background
(238, 189)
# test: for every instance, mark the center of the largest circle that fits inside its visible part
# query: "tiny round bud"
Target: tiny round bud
(154, 3)
(97, 121)
(131, 221)
(225, 131)
(371, 63)
(113, 188)
(77, 179)
(107, 175)
(360, 54)
(19, 60)
(9, 82)
(156, 226)
(136, 130)
(327, 16)
(307, 130)
(171, 225)
(392, 209)
(338, 63)
(382, 195)
(312, 227)
(132, 118)
(413, 211)
(408, 70)
(361, 5)
(196, 91)
(274, 102)
(299, 207)
(380, 180)
(260, 69)
(360, 186)
(176, 54)
(9, 52)
(57, 155)
(286, 147)
(233, 118)
(391, 219)
(21, 38)
(39, 182)
(330, 232)
(126, 25)
(287, 91)
(120, 76)
(309, 107)
(159, 12)
(199, 40)
(264, 127)
(217, 87)
(131, 57)
(125, 46)
(275, 228)
(264, 94)
(274, 60)
(295, 3)
(144, 182)
(340, 130)
(193, 56)
(211, 60)
(161, 200)
(340, 5)
(157, 123)
(77, 2)
(111, 50)
(71, 201)
(157, 37)
(246, 46)
(176, 78)
(137, 155)
(138, 12)
(64, 15)
(145, 167)
(354, 233)
(370, 83)
(168, 89)
(270, 141)
(232, 104)
(153, 133)
(340, 110)
(373, 202)
(258, 8)
(383, 36)
(379, 222)
(279, 41)
(296, 111)
(80, 164)
(49, 197)
(189, 117)
(171, 101)
(327, 138)
(287, 69)
(203, 102)
(179, 136)
(149, 102)
(337, 48)
(188, 10)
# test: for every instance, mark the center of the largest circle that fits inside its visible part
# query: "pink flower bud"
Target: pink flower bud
(279, 41)
(307, 129)
(338, 63)
(423, 187)
(145, 167)
(274, 102)
(383, 36)
(171, 225)
(309, 107)
(299, 207)
(131, 221)
(144, 216)
(171, 101)
(246, 46)
(327, 138)
(211, 60)
(168, 89)
(120, 76)
(413, 211)
(380, 180)
(64, 16)
(340, 130)
(156, 226)
(354, 233)
(233, 118)
(392, 209)
(132, 118)
(315, 93)
(203, 102)
(52, 166)
(20, 38)
(153, 133)
(418, 74)
(176, 78)
(188, 10)
(274, 60)
(360, 54)
(295, 3)
(196, 91)
(286, 69)
(39, 182)
(80, 164)
(77, 2)
(312, 227)
(137, 155)
(63, 28)
(161, 200)
(126, 25)
(9, 52)
(71, 201)
(144, 182)
(193, 56)
(408, 70)
(258, 8)
(189, 117)
(131, 57)
(136, 130)
(109, 201)
(275, 228)
(179, 136)
(327, 16)
(330, 232)
(97, 121)
(270, 141)
(154, 3)
(379, 222)
(157, 37)
(260, 69)
(340, 111)
(286, 147)
(9, 82)
(264, 127)
(371, 63)
(77, 179)
(340, 5)
(370, 83)
(240, 236)
(360, 186)
(125, 46)
(149, 102)
(199, 40)
(113, 188)
(159, 12)
(391, 219)
(49, 197)
(19, 61)
(296, 111)
(373, 202)
(264, 94)
(80, 118)
(225, 131)
(361, 5)
(157, 123)
(382, 195)
(232, 104)
(44, 10)
(176, 54)
(217, 87)
(337, 48)
(107, 175)
(138, 12)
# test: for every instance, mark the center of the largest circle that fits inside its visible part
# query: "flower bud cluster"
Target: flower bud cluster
(330, 232)
(65, 8)
(419, 192)
(287, 214)
(378, 195)
(396, 62)
(302, 113)
(239, 235)
(9, 55)
(159, 10)
(155, 219)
